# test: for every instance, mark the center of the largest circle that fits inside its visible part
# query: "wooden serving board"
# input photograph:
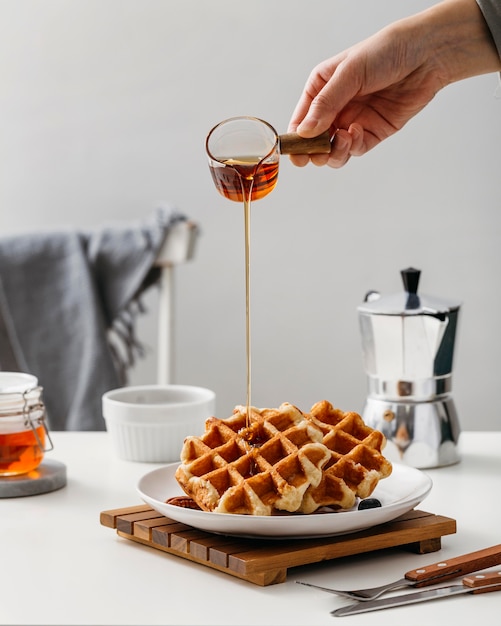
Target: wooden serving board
(264, 561)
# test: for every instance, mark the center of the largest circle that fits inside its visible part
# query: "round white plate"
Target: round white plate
(398, 493)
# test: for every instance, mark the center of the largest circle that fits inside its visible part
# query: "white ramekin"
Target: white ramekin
(150, 423)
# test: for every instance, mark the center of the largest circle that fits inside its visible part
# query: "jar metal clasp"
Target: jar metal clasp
(33, 423)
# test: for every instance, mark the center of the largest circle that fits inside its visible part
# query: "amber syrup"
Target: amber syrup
(21, 452)
(244, 179)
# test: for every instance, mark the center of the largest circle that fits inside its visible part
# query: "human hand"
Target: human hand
(363, 96)
(370, 91)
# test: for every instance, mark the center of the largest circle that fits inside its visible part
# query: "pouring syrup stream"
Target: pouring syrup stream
(247, 220)
(244, 179)
(243, 160)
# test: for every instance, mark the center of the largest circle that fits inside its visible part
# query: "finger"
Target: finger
(319, 159)
(304, 119)
(358, 146)
(340, 153)
(304, 103)
(342, 83)
(299, 112)
(299, 160)
(319, 117)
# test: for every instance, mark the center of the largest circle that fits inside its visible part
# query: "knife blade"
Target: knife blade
(478, 583)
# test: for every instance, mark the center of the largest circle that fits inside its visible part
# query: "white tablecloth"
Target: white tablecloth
(59, 565)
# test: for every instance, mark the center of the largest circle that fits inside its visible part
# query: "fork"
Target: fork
(424, 576)
(371, 593)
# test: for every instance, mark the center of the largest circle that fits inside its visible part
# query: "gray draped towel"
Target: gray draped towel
(68, 303)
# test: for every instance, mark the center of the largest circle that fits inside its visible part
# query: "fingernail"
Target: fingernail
(308, 124)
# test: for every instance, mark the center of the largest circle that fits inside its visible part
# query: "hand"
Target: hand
(370, 91)
(363, 96)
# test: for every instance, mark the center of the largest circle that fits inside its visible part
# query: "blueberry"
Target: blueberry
(369, 503)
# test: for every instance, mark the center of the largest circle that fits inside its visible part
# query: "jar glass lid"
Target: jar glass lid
(16, 382)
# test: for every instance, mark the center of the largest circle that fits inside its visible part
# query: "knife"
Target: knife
(428, 574)
(477, 583)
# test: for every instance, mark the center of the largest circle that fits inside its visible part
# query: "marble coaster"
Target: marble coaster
(49, 476)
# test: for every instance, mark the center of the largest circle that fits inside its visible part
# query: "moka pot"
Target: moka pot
(408, 344)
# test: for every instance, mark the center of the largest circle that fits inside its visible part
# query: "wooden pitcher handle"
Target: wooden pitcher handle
(292, 143)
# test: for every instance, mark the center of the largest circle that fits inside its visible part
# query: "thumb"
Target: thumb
(318, 119)
(328, 103)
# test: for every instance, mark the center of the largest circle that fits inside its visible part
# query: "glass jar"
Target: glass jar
(24, 437)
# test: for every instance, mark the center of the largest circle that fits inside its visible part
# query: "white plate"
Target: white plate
(398, 493)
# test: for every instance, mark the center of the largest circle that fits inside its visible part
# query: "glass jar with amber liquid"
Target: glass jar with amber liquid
(24, 437)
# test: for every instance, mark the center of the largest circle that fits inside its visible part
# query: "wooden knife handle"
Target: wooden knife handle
(292, 143)
(481, 580)
(456, 567)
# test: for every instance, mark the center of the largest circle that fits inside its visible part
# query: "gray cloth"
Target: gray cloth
(491, 10)
(68, 301)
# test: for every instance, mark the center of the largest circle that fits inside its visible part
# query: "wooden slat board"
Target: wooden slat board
(265, 562)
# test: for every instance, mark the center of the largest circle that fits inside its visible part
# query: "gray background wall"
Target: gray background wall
(104, 108)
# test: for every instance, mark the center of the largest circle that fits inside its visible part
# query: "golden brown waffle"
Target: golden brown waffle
(355, 459)
(255, 470)
(284, 461)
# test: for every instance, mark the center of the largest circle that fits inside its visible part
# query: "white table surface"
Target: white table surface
(59, 565)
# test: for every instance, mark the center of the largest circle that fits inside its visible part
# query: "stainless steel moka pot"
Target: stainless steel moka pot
(408, 347)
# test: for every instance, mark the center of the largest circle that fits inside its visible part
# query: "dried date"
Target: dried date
(183, 501)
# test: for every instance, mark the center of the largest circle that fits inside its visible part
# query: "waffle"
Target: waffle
(355, 460)
(284, 461)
